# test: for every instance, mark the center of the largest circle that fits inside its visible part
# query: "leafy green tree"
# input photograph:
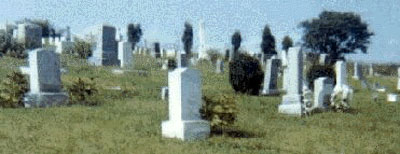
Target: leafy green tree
(134, 34)
(81, 48)
(336, 33)
(187, 39)
(287, 43)
(268, 42)
(236, 41)
(10, 46)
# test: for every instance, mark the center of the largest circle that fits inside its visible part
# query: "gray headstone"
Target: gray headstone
(292, 101)
(105, 50)
(270, 86)
(45, 80)
(185, 101)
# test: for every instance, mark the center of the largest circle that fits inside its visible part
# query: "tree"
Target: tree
(45, 25)
(11, 47)
(236, 41)
(336, 33)
(268, 42)
(287, 43)
(134, 34)
(187, 39)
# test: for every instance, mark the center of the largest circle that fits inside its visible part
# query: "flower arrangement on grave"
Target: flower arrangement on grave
(340, 99)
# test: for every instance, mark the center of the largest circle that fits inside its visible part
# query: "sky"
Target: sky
(163, 20)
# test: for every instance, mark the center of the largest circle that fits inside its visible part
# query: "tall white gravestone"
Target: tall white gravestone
(292, 102)
(45, 80)
(357, 71)
(270, 86)
(398, 78)
(125, 55)
(341, 74)
(219, 66)
(286, 75)
(185, 101)
(371, 70)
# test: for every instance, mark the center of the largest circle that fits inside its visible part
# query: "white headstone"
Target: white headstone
(164, 93)
(392, 97)
(341, 74)
(164, 65)
(398, 78)
(125, 55)
(285, 80)
(185, 101)
(219, 66)
(45, 80)
(357, 71)
(270, 86)
(323, 88)
(292, 102)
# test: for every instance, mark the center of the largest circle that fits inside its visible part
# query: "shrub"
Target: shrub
(316, 71)
(9, 46)
(172, 64)
(13, 90)
(83, 92)
(81, 48)
(245, 74)
(220, 110)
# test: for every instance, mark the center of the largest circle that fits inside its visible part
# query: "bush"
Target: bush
(9, 46)
(172, 64)
(245, 74)
(81, 48)
(13, 90)
(316, 71)
(83, 92)
(220, 110)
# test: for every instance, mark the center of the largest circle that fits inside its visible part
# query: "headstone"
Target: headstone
(181, 60)
(392, 97)
(398, 78)
(271, 77)
(164, 93)
(185, 101)
(45, 80)
(125, 55)
(219, 66)
(286, 74)
(341, 74)
(292, 101)
(30, 35)
(105, 50)
(323, 88)
(357, 71)
(323, 59)
(371, 70)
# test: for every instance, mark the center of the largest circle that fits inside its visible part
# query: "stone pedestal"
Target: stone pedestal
(185, 123)
(44, 99)
(357, 72)
(292, 102)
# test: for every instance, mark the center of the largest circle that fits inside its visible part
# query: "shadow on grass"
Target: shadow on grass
(233, 133)
(351, 111)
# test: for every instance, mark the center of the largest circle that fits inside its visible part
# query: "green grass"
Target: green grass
(131, 123)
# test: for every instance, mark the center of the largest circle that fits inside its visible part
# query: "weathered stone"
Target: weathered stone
(45, 80)
(323, 88)
(125, 55)
(270, 86)
(30, 35)
(185, 101)
(292, 102)
(105, 50)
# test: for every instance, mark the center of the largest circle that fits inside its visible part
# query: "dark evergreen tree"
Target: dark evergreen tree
(268, 42)
(187, 39)
(134, 34)
(287, 43)
(236, 41)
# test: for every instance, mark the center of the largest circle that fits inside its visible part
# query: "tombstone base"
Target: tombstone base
(45, 99)
(270, 92)
(186, 130)
(291, 105)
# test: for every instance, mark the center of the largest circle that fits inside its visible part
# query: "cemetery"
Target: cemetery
(107, 91)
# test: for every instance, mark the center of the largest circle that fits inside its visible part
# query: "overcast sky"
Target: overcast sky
(162, 20)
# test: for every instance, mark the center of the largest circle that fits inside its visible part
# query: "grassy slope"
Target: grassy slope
(130, 122)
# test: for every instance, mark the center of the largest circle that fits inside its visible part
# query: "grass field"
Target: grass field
(129, 121)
